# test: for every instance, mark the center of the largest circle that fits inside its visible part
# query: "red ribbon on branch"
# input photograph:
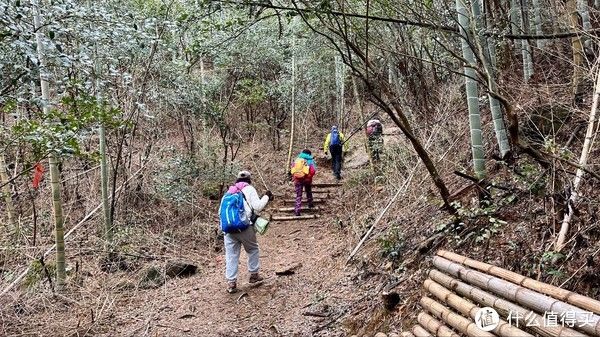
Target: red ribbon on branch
(38, 173)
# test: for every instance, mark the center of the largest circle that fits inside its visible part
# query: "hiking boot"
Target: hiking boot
(232, 287)
(255, 277)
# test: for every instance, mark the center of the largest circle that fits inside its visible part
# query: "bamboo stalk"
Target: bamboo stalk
(587, 321)
(575, 299)
(292, 218)
(434, 326)
(420, 332)
(521, 315)
(59, 222)
(458, 322)
(471, 88)
(484, 52)
(469, 309)
(53, 160)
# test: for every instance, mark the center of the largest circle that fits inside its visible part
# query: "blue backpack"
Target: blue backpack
(231, 213)
(335, 138)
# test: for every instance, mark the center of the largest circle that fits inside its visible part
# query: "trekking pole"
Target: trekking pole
(359, 128)
(260, 176)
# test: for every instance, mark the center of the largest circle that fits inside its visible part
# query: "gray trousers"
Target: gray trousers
(233, 243)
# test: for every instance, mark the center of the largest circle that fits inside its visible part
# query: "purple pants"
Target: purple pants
(309, 197)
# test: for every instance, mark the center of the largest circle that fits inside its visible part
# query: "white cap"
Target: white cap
(244, 175)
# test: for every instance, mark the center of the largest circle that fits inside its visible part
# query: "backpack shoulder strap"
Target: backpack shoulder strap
(246, 201)
(253, 215)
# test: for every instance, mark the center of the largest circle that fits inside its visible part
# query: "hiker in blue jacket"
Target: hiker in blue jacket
(335, 144)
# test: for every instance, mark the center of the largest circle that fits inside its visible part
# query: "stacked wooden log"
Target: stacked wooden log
(464, 294)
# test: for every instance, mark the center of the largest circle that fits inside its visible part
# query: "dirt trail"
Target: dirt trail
(200, 306)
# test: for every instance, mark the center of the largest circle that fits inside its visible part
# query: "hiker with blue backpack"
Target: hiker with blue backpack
(238, 211)
(303, 169)
(335, 144)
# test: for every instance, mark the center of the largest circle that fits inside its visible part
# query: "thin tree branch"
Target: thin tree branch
(444, 28)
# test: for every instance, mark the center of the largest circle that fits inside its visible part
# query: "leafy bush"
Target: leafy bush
(393, 243)
(36, 273)
(182, 177)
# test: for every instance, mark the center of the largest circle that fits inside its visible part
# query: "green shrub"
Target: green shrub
(393, 243)
(36, 273)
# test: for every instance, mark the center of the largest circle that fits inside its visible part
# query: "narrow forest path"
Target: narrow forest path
(200, 305)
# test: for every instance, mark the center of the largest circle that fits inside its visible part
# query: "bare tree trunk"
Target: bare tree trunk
(537, 23)
(340, 75)
(108, 228)
(514, 12)
(587, 147)
(583, 9)
(6, 191)
(58, 222)
(525, 47)
(577, 46)
(292, 107)
(361, 115)
(205, 131)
